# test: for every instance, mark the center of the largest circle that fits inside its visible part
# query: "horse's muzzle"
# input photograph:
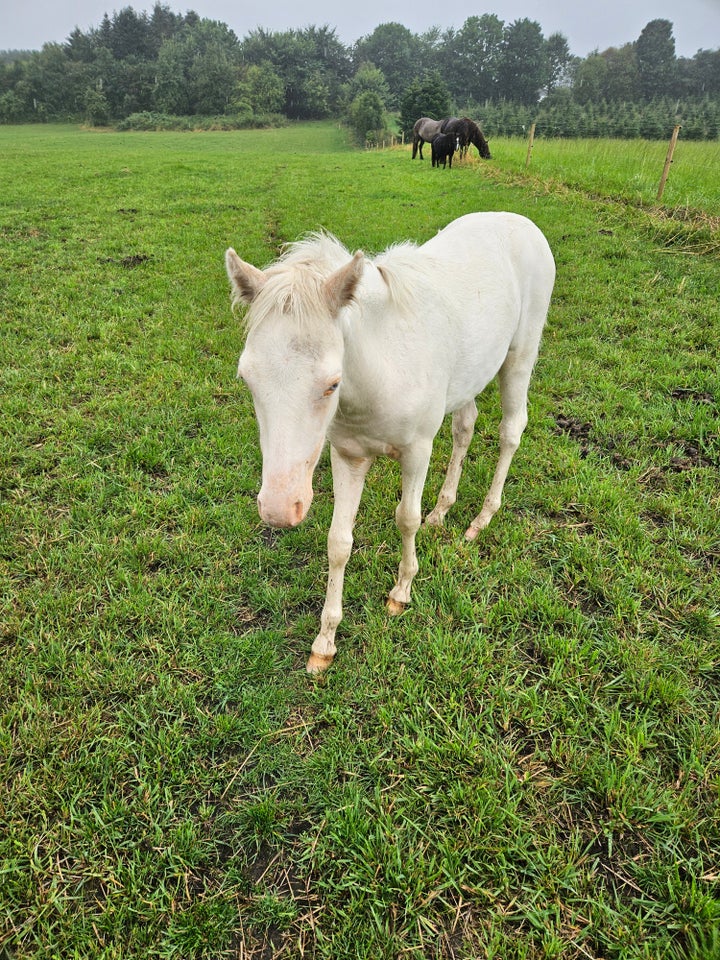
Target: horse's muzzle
(282, 508)
(285, 518)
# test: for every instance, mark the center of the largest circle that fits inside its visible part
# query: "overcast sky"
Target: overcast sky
(27, 24)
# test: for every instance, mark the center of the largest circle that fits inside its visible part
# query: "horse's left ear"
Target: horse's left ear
(340, 286)
(247, 281)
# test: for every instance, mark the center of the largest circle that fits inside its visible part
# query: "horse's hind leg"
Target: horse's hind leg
(414, 465)
(463, 424)
(513, 378)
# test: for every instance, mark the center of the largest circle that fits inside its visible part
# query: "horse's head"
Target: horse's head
(478, 139)
(472, 134)
(293, 364)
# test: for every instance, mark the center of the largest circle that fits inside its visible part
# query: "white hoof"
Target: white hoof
(394, 607)
(317, 663)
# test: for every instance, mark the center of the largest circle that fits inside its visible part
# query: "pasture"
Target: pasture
(524, 765)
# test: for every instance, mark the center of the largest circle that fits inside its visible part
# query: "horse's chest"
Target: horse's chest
(360, 446)
(363, 433)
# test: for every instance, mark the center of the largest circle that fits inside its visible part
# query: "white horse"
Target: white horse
(372, 353)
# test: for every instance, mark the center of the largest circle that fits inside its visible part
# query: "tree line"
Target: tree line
(137, 68)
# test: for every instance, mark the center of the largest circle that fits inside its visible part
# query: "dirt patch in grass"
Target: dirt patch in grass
(690, 455)
(129, 262)
(697, 396)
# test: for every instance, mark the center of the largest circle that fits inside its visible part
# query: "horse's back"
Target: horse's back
(505, 259)
(426, 128)
(483, 278)
(501, 272)
(490, 253)
(492, 236)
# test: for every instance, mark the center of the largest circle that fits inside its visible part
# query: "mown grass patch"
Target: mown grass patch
(524, 765)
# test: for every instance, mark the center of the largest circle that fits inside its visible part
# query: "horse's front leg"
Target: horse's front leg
(348, 481)
(408, 516)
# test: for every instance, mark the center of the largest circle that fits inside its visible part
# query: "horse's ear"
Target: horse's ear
(340, 286)
(247, 281)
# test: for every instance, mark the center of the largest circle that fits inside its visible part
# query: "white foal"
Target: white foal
(372, 354)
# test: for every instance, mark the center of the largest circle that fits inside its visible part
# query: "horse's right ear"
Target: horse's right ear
(340, 286)
(247, 281)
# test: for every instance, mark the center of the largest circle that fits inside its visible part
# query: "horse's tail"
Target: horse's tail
(416, 137)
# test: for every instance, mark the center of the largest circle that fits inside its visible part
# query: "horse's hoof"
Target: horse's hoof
(318, 663)
(472, 532)
(394, 607)
(434, 519)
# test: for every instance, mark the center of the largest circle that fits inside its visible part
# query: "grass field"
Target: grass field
(527, 763)
(626, 169)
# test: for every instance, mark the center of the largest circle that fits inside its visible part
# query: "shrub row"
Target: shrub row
(151, 120)
(563, 117)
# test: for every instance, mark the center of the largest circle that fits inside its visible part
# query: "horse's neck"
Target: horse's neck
(367, 332)
(383, 335)
(364, 336)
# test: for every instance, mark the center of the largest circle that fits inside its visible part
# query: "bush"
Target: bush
(151, 120)
(366, 116)
(97, 110)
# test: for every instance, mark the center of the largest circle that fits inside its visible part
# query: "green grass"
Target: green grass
(629, 169)
(524, 765)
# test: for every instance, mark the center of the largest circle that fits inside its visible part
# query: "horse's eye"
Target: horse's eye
(332, 388)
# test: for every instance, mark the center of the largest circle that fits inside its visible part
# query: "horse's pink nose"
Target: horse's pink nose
(289, 515)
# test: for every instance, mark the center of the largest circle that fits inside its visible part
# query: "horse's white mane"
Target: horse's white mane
(406, 276)
(294, 281)
(318, 246)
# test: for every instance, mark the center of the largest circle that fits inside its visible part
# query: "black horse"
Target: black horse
(468, 132)
(442, 148)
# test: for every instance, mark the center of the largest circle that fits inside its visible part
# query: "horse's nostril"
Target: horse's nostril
(299, 510)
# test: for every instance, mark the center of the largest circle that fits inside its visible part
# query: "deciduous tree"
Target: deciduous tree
(397, 52)
(559, 62)
(522, 70)
(472, 58)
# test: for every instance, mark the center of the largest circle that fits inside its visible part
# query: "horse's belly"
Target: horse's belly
(474, 370)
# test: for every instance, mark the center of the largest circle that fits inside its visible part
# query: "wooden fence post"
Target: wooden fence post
(668, 160)
(531, 140)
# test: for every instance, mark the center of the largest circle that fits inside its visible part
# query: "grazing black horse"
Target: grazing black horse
(468, 133)
(442, 148)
